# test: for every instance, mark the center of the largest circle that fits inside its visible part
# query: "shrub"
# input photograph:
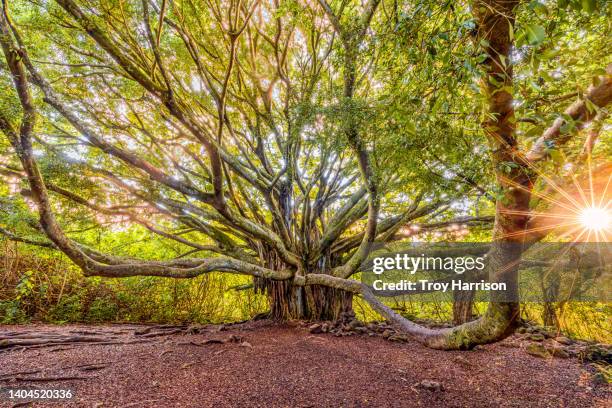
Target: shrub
(11, 313)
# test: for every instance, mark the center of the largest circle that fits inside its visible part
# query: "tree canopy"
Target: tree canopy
(280, 139)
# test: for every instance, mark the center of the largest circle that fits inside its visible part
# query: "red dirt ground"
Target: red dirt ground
(285, 366)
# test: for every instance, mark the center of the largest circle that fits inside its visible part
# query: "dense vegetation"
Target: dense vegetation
(43, 287)
(280, 140)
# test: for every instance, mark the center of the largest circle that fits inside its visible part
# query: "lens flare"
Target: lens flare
(595, 218)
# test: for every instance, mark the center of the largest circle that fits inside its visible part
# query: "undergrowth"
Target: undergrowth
(43, 286)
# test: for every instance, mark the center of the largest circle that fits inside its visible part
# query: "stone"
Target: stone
(537, 337)
(398, 338)
(355, 323)
(430, 385)
(538, 350)
(564, 340)
(315, 328)
(373, 327)
(551, 343)
(559, 352)
(347, 315)
(572, 351)
(195, 329)
(387, 333)
(596, 352)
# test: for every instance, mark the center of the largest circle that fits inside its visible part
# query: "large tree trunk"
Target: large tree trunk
(549, 315)
(463, 305)
(494, 20)
(288, 301)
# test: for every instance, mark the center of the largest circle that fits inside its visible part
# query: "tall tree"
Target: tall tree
(250, 132)
(234, 128)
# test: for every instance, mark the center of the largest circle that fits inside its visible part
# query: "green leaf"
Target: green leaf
(534, 132)
(411, 128)
(535, 34)
(556, 156)
(591, 107)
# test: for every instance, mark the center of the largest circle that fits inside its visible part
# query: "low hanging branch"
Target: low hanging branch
(238, 157)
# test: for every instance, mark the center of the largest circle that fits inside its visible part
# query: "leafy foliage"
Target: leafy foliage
(283, 138)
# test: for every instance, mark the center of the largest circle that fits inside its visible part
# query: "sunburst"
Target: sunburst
(579, 209)
(595, 219)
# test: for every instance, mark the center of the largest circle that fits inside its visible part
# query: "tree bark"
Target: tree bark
(463, 305)
(549, 315)
(315, 302)
(495, 18)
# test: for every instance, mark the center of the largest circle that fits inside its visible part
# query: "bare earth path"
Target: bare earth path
(262, 364)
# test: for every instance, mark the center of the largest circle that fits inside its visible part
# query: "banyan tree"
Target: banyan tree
(281, 139)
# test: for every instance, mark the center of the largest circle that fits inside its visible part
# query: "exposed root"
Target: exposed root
(167, 330)
(11, 340)
(18, 373)
(47, 340)
(231, 339)
(29, 340)
(163, 333)
(46, 379)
